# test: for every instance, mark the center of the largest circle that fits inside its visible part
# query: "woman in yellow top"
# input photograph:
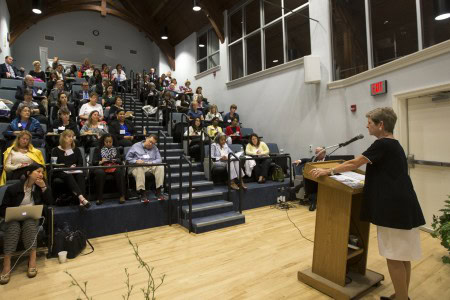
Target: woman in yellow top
(20, 155)
(258, 148)
(214, 128)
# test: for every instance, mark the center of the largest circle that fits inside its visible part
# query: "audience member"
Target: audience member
(51, 82)
(7, 70)
(37, 109)
(146, 152)
(24, 121)
(85, 66)
(122, 129)
(182, 104)
(105, 72)
(28, 83)
(118, 76)
(195, 137)
(18, 156)
(214, 129)
(194, 112)
(198, 92)
(89, 73)
(72, 73)
(187, 90)
(219, 155)
(92, 105)
(32, 190)
(96, 78)
(108, 98)
(69, 156)
(154, 95)
(37, 73)
(63, 102)
(153, 77)
(107, 155)
(55, 63)
(54, 94)
(258, 148)
(64, 122)
(234, 131)
(163, 83)
(83, 95)
(231, 115)
(213, 113)
(60, 72)
(93, 130)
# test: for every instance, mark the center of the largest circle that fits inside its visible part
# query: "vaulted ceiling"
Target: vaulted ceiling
(149, 16)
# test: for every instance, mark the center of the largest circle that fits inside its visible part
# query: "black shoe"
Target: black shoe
(312, 207)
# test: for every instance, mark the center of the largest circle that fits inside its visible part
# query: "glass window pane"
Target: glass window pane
(394, 29)
(293, 4)
(202, 66)
(236, 26)
(214, 60)
(434, 32)
(254, 53)
(349, 38)
(252, 16)
(298, 37)
(201, 49)
(237, 69)
(274, 45)
(213, 41)
(272, 11)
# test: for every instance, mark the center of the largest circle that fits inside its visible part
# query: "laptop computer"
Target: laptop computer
(21, 213)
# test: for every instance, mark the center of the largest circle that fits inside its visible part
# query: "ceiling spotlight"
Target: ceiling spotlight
(196, 7)
(36, 7)
(275, 61)
(165, 33)
(441, 9)
(201, 45)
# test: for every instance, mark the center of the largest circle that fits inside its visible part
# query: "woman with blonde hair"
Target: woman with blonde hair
(70, 156)
(94, 128)
(20, 155)
(37, 72)
(213, 113)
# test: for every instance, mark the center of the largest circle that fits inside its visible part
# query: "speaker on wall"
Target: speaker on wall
(312, 69)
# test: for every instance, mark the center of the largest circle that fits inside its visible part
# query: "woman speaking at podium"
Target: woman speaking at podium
(389, 198)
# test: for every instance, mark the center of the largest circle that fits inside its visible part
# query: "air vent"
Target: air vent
(108, 47)
(49, 38)
(133, 51)
(80, 43)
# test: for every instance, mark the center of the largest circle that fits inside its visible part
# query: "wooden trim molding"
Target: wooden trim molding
(414, 58)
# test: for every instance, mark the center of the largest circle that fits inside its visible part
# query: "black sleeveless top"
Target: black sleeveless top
(389, 196)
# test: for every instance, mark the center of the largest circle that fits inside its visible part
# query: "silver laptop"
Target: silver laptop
(21, 213)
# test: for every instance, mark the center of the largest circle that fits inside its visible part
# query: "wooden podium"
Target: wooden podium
(338, 210)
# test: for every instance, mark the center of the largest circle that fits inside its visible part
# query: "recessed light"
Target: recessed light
(201, 45)
(442, 17)
(275, 60)
(36, 11)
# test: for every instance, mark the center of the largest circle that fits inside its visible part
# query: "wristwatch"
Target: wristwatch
(331, 172)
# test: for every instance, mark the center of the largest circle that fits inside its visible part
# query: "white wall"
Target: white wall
(285, 110)
(4, 29)
(78, 26)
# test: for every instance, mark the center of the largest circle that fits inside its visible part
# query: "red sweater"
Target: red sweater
(230, 130)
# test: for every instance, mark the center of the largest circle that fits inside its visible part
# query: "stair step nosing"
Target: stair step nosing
(203, 208)
(222, 220)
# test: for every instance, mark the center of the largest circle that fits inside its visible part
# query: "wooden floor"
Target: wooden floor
(257, 260)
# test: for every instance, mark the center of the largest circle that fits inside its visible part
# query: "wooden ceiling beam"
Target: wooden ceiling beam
(103, 8)
(20, 26)
(215, 17)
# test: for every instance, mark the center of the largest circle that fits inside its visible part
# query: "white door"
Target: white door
(43, 55)
(429, 141)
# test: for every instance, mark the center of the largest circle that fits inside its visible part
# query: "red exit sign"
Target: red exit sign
(378, 88)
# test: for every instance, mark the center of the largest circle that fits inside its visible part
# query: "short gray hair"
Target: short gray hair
(385, 115)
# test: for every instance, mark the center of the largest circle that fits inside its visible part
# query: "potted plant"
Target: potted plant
(441, 227)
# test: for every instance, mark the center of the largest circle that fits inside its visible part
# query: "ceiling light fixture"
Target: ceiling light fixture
(36, 7)
(201, 45)
(441, 9)
(165, 33)
(196, 7)
(275, 60)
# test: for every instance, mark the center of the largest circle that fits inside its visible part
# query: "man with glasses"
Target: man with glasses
(146, 152)
(7, 70)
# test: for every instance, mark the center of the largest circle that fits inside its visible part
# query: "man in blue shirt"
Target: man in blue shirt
(146, 152)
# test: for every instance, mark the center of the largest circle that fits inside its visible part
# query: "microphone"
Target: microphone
(358, 137)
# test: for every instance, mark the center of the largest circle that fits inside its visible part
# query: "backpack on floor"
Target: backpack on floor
(277, 173)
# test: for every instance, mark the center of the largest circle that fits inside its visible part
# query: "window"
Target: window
(262, 35)
(349, 38)
(208, 53)
(434, 32)
(394, 29)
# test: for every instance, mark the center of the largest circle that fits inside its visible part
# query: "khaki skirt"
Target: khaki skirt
(399, 244)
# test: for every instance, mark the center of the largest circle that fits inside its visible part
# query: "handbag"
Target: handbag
(110, 170)
(72, 241)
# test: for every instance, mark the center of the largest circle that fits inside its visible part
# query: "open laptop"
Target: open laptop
(21, 213)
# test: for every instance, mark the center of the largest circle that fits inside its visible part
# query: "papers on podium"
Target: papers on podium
(351, 179)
